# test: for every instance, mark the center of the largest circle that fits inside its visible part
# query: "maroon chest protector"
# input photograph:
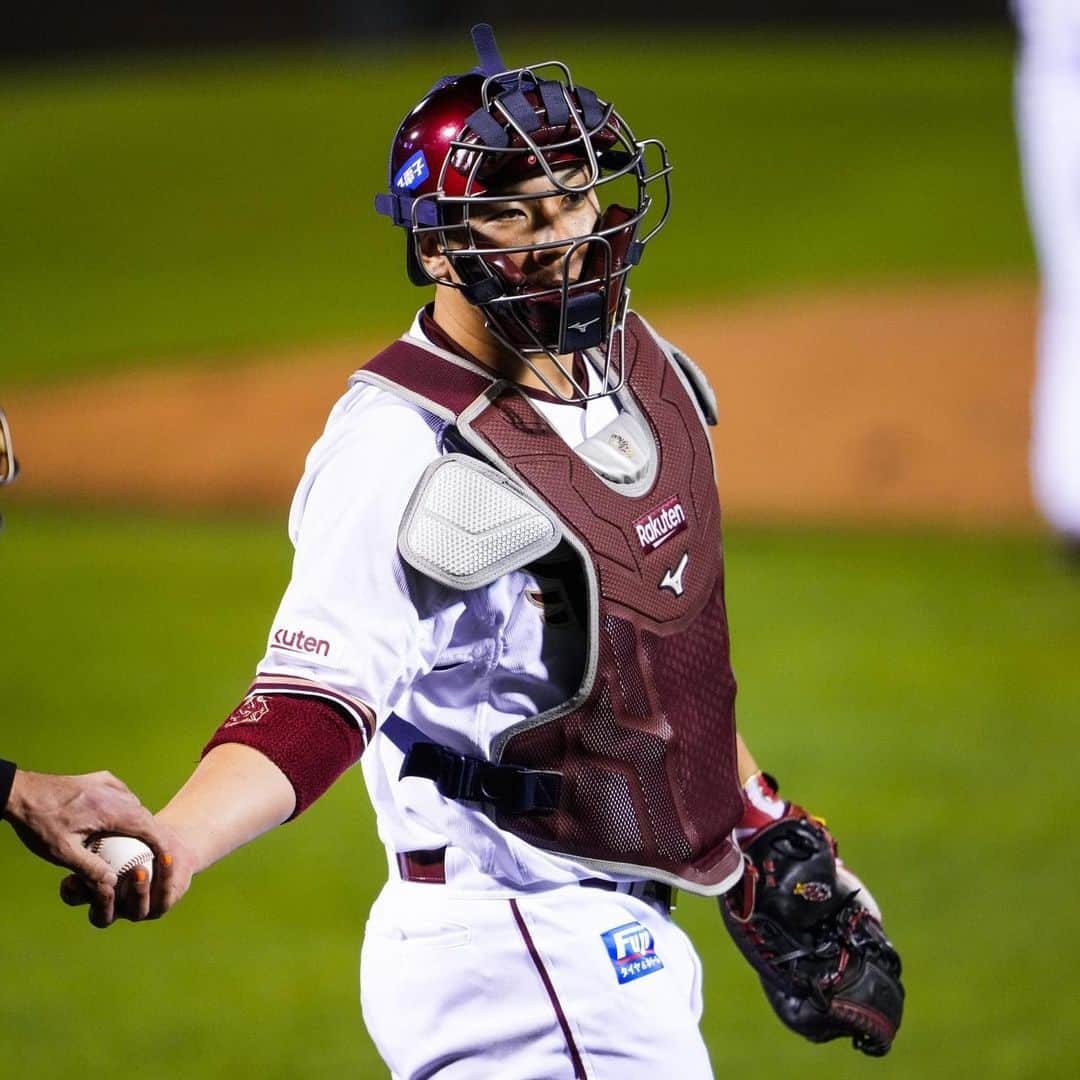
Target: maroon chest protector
(646, 749)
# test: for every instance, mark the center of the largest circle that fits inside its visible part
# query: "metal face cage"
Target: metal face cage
(510, 136)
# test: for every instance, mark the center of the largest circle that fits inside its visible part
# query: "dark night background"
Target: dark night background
(51, 30)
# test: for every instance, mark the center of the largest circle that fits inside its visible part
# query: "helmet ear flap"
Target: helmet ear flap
(413, 267)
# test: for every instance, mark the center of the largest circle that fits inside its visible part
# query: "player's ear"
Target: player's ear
(435, 263)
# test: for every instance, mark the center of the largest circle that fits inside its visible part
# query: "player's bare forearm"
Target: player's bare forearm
(234, 795)
(746, 763)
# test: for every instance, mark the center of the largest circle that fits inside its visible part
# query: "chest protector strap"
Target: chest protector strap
(645, 749)
(505, 788)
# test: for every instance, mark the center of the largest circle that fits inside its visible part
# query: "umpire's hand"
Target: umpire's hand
(55, 815)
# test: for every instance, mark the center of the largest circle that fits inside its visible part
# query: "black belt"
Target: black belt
(425, 866)
(656, 892)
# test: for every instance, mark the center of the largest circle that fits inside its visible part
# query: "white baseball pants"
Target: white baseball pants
(572, 982)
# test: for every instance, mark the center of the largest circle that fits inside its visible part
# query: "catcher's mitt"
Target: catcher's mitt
(826, 966)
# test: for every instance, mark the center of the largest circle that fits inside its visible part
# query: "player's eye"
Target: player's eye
(507, 213)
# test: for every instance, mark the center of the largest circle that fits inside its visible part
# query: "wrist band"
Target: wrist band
(309, 739)
(7, 778)
(762, 805)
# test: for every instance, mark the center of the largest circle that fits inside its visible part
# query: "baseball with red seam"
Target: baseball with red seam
(124, 854)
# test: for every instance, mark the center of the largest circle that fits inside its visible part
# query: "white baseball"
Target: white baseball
(124, 854)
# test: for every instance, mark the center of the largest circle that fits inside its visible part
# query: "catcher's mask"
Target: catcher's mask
(475, 134)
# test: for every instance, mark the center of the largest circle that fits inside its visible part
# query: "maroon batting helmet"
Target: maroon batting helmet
(475, 133)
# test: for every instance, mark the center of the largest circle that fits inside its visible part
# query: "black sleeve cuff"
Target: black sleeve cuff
(7, 778)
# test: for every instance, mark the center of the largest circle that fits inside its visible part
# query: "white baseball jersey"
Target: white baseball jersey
(462, 666)
(510, 969)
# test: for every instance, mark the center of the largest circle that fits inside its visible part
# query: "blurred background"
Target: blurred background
(190, 268)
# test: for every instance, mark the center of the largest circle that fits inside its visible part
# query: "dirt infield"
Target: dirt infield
(900, 404)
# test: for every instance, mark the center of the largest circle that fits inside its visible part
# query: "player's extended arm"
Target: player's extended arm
(234, 795)
(237, 794)
(271, 758)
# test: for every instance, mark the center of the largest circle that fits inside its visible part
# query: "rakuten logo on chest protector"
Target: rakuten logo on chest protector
(666, 521)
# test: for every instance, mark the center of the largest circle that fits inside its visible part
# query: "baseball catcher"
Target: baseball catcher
(508, 599)
(810, 929)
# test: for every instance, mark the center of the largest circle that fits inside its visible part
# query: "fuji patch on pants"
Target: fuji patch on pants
(632, 951)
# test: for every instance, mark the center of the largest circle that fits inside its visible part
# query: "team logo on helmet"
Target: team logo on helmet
(413, 173)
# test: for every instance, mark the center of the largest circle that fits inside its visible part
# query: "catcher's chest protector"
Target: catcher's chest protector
(646, 748)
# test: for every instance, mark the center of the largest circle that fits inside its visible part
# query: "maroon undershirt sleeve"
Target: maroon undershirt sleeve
(310, 740)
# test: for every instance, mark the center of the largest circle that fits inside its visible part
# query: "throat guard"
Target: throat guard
(646, 746)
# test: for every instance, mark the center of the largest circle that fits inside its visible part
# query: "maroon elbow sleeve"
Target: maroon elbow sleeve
(310, 740)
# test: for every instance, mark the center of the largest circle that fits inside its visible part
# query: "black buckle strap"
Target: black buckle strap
(484, 291)
(399, 209)
(511, 788)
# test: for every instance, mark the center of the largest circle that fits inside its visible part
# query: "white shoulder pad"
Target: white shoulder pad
(467, 524)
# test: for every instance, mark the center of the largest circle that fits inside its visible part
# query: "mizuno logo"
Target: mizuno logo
(673, 578)
(581, 327)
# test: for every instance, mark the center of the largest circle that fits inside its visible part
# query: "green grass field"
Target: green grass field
(196, 209)
(920, 690)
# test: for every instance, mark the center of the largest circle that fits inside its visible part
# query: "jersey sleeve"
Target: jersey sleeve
(355, 625)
